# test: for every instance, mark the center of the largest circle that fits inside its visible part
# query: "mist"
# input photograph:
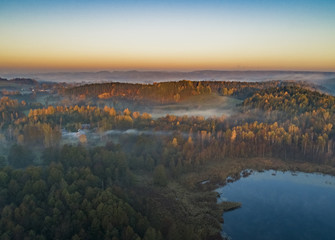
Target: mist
(205, 106)
(163, 76)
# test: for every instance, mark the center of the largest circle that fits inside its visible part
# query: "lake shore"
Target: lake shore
(216, 175)
(275, 201)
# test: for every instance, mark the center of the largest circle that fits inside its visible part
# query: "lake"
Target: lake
(281, 205)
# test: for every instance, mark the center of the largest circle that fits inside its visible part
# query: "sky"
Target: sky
(167, 35)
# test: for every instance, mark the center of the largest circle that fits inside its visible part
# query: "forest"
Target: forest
(76, 163)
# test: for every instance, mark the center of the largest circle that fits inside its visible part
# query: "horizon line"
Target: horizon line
(54, 71)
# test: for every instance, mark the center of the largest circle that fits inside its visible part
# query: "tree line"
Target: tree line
(116, 190)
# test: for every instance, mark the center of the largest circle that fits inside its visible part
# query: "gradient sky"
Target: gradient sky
(171, 35)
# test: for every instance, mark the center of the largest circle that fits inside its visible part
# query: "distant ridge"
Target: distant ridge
(25, 81)
(163, 76)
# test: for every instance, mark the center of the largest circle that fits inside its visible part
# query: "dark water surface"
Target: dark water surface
(277, 205)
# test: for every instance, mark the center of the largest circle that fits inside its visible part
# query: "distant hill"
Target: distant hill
(25, 81)
(164, 76)
(170, 92)
(3, 79)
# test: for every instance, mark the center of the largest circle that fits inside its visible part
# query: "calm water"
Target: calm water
(283, 206)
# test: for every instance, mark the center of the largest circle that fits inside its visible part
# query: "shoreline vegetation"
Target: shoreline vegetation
(122, 174)
(219, 174)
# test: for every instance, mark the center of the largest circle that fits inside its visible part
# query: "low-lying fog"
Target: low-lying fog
(206, 106)
(94, 138)
(206, 113)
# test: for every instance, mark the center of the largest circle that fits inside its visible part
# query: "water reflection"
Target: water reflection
(277, 205)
